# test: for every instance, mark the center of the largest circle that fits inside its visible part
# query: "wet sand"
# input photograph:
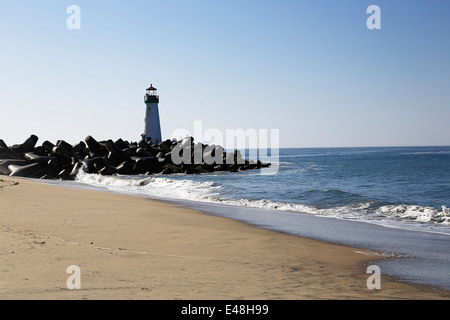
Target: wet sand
(129, 247)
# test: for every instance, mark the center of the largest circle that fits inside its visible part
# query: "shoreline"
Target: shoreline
(413, 255)
(131, 247)
(404, 249)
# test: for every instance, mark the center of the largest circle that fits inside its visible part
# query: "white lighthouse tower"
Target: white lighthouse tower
(152, 125)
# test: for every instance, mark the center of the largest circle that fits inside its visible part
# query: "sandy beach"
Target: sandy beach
(129, 247)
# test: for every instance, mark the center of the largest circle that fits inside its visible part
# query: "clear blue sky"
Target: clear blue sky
(311, 69)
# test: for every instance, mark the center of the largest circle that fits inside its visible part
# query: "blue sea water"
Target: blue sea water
(399, 196)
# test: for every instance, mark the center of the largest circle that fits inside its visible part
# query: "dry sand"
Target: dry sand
(134, 248)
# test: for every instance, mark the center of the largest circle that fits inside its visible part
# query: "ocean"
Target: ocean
(394, 200)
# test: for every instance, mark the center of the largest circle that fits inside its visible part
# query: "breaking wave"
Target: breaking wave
(401, 216)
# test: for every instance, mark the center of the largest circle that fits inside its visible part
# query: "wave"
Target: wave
(426, 152)
(416, 213)
(151, 186)
(180, 188)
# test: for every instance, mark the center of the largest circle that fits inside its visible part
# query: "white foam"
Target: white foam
(152, 186)
(400, 216)
(417, 213)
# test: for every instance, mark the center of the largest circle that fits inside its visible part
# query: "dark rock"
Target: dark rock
(234, 169)
(78, 148)
(141, 152)
(27, 146)
(53, 168)
(76, 168)
(76, 158)
(161, 155)
(48, 146)
(165, 146)
(3, 144)
(122, 144)
(131, 151)
(97, 149)
(65, 145)
(208, 167)
(4, 171)
(40, 151)
(153, 150)
(111, 146)
(30, 156)
(42, 160)
(143, 144)
(116, 155)
(61, 152)
(8, 154)
(200, 169)
(167, 171)
(173, 168)
(65, 175)
(99, 165)
(89, 164)
(147, 164)
(5, 163)
(33, 170)
(64, 160)
(68, 167)
(114, 158)
(92, 143)
(125, 167)
(108, 170)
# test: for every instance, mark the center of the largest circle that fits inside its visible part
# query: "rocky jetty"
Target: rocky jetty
(63, 160)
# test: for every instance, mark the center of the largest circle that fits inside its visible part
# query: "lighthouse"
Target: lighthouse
(152, 125)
